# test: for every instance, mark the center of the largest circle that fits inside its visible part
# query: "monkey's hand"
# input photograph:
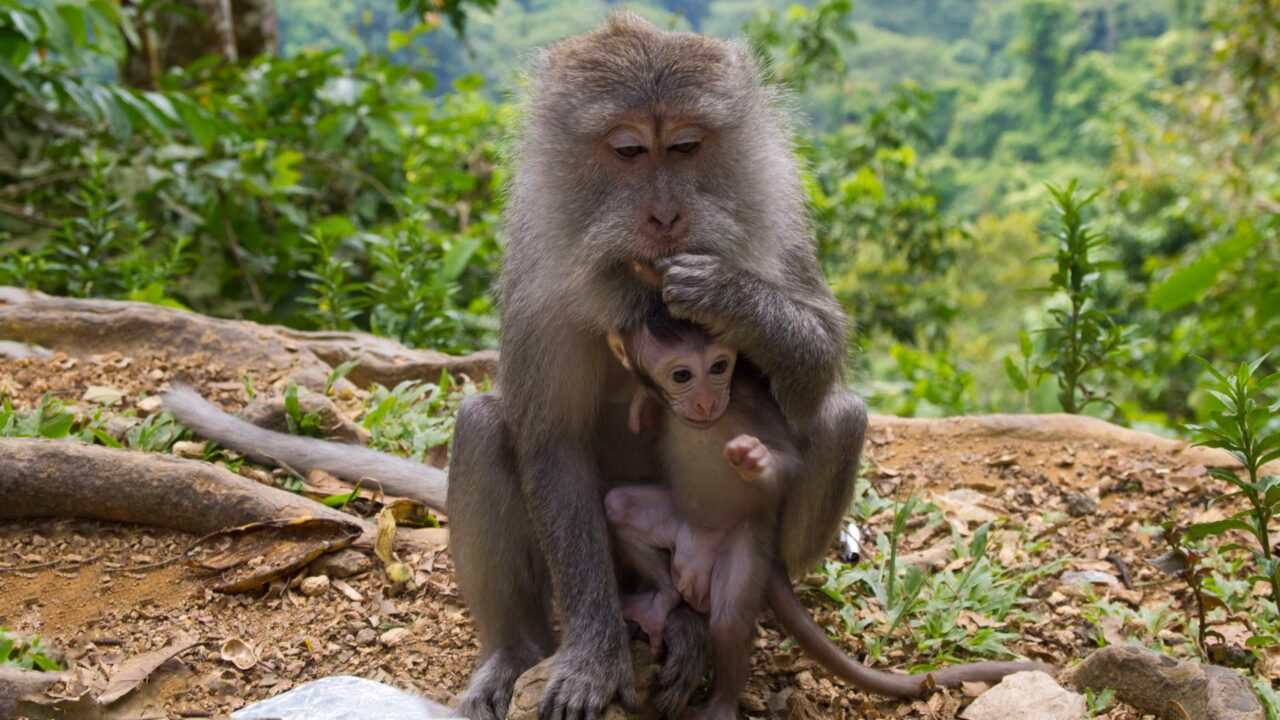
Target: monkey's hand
(587, 676)
(750, 458)
(690, 286)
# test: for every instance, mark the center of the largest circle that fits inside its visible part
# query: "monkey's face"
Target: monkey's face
(652, 144)
(694, 380)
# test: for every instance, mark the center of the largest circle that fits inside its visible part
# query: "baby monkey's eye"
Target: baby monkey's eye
(629, 151)
(719, 367)
(681, 376)
(685, 147)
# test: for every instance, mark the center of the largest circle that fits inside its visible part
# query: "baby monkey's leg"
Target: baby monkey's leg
(644, 524)
(737, 596)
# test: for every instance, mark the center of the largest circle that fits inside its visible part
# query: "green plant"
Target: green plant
(934, 605)
(1099, 702)
(413, 417)
(934, 383)
(1244, 426)
(336, 299)
(299, 423)
(26, 653)
(156, 433)
(1085, 342)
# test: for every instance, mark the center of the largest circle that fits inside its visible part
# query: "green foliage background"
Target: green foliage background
(354, 181)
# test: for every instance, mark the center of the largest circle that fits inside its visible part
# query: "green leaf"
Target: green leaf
(1189, 282)
(1025, 345)
(457, 257)
(1203, 530)
(1016, 376)
(282, 173)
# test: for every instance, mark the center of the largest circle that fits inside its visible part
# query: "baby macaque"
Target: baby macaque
(709, 536)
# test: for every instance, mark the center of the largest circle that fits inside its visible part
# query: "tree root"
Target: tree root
(58, 479)
(88, 327)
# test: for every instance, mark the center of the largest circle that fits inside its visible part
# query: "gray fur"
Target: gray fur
(745, 268)
(395, 475)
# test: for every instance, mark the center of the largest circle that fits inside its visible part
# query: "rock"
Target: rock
(394, 636)
(102, 395)
(270, 413)
(1080, 505)
(315, 585)
(341, 564)
(1153, 683)
(1027, 696)
(1093, 577)
(150, 405)
(528, 692)
(190, 449)
(366, 636)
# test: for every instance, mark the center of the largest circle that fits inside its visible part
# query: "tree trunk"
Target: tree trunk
(178, 32)
(254, 25)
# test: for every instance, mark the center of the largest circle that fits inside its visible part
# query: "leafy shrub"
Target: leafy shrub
(1085, 342)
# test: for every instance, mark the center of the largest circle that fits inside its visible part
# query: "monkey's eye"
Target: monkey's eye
(629, 151)
(685, 148)
(681, 376)
(719, 367)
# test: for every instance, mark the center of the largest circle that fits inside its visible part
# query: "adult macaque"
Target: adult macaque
(663, 148)
(726, 454)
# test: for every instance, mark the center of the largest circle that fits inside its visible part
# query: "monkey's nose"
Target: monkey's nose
(704, 408)
(665, 221)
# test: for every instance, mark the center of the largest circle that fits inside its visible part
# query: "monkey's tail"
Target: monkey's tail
(395, 475)
(795, 619)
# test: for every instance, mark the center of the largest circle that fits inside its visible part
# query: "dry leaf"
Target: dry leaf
(133, 672)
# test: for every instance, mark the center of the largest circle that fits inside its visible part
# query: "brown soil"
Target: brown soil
(1075, 489)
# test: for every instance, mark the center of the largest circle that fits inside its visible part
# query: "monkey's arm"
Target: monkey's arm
(396, 475)
(553, 377)
(792, 328)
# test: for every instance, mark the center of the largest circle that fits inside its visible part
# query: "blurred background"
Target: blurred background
(1024, 205)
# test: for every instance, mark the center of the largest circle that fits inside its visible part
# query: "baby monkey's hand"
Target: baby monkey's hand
(749, 457)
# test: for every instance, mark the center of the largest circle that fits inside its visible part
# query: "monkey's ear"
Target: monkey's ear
(619, 349)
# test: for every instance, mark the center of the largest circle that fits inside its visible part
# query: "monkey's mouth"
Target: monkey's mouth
(700, 424)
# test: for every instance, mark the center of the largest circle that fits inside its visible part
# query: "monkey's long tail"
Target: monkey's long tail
(395, 475)
(795, 619)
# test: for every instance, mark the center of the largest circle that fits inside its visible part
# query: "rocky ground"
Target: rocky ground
(107, 597)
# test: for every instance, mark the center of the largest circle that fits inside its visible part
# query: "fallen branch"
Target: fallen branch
(59, 479)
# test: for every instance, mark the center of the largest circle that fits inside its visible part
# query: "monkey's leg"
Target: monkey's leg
(737, 595)
(500, 570)
(816, 498)
(644, 523)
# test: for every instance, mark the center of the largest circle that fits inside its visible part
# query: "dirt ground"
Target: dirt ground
(100, 594)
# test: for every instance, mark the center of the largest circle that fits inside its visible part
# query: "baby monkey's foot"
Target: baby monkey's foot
(649, 610)
(749, 457)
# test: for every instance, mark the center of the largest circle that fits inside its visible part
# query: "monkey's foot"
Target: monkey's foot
(749, 457)
(489, 694)
(649, 610)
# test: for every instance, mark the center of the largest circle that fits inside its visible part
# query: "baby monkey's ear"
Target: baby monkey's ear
(619, 349)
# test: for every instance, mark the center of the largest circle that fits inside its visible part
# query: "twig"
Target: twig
(1123, 569)
(17, 189)
(20, 213)
(144, 566)
(238, 253)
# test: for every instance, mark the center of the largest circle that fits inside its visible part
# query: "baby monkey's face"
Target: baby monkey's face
(694, 380)
(692, 373)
